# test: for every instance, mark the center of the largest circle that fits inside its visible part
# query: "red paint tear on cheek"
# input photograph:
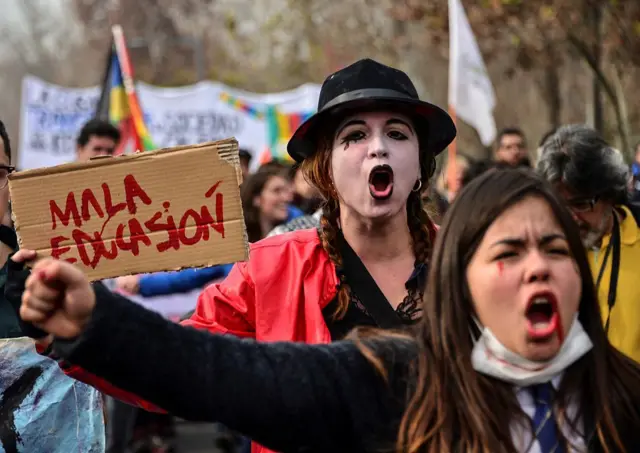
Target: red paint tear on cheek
(500, 267)
(560, 329)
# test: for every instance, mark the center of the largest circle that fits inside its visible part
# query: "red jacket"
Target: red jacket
(278, 295)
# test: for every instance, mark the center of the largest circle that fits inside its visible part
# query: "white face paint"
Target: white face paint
(375, 162)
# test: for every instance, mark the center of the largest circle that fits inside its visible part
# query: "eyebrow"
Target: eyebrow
(519, 242)
(390, 122)
(393, 121)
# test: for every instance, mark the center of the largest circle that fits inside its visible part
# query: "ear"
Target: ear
(256, 201)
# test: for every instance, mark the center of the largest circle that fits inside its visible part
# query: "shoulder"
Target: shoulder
(288, 251)
(299, 223)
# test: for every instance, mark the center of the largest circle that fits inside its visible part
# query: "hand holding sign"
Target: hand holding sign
(58, 298)
(129, 284)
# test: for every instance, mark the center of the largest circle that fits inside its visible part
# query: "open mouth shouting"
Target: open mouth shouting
(542, 316)
(381, 182)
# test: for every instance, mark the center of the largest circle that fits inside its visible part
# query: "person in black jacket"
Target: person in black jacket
(510, 355)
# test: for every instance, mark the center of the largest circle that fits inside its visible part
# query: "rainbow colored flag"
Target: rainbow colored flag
(280, 126)
(119, 102)
(239, 104)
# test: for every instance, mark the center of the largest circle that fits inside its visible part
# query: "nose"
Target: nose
(378, 148)
(575, 216)
(537, 268)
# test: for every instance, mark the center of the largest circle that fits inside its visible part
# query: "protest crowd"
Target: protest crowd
(391, 300)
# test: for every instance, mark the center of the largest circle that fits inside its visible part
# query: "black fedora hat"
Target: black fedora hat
(369, 84)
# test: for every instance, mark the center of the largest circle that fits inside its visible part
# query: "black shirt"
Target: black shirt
(409, 310)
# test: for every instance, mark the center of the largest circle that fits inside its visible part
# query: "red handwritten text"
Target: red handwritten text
(131, 233)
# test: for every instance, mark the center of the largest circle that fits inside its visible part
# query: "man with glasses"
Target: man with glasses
(592, 178)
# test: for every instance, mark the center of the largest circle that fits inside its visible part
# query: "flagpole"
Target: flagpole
(452, 161)
(129, 87)
(453, 88)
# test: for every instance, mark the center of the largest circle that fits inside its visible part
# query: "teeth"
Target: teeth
(540, 300)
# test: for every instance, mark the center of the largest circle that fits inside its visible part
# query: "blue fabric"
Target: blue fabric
(51, 412)
(635, 169)
(544, 421)
(163, 283)
(294, 212)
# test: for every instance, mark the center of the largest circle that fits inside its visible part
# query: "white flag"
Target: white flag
(470, 91)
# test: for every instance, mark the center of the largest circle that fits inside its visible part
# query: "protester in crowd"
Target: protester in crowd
(245, 162)
(307, 198)
(266, 197)
(511, 355)
(511, 148)
(591, 177)
(292, 209)
(43, 410)
(370, 151)
(97, 138)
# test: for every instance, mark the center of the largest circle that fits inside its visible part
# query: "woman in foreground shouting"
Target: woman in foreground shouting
(510, 355)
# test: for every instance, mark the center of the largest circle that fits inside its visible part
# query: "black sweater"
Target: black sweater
(290, 397)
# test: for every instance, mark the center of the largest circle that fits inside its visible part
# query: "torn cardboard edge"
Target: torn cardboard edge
(226, 151)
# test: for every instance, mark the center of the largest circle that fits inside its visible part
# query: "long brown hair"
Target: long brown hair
(453, 407)
(317, 171)
(253, 187)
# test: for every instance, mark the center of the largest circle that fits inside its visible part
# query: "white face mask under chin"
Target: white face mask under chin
(492, 358)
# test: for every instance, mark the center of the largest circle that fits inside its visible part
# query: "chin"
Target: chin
(541, 351)
(384, 209)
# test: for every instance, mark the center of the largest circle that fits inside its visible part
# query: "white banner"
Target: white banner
(52, 116)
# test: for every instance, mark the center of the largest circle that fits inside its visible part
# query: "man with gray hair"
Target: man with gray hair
(592, 178)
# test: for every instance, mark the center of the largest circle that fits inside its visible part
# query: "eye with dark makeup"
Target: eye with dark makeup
(397, 135)
(352, 137)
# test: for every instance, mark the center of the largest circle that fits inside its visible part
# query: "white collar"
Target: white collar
(555, 382)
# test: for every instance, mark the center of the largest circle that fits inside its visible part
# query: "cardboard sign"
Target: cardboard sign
(159, 210)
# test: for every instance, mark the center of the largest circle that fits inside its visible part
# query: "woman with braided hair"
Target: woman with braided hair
(370, 151)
